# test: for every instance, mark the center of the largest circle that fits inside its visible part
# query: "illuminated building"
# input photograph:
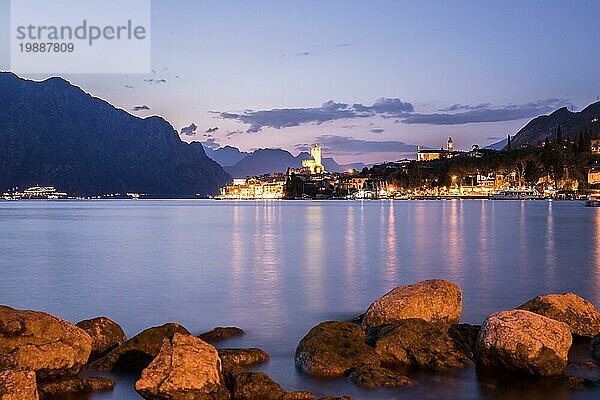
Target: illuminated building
(433, 154)
(254, 189)
(314, 165)
(595, 146)
(594, 176)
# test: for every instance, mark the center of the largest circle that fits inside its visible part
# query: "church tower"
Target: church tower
(450, 145)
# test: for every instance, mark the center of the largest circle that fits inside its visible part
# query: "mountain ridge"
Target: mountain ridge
(54, 133)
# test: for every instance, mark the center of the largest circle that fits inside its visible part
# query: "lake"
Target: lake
(276, 269)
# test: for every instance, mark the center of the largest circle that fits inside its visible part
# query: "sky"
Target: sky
(368, 80)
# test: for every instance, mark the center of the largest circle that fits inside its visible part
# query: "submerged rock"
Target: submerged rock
(522, 341)
(18, 385)
(371, 376)
(136, 353)
(332, 349)
(595, 348)
(105, 333)
(256, 385)
(185, 368)
(581, 315)
(436, 301)
(221, 333)
(417, 343)
(243, 357)
(39, 342)
(76, 385)
(575, 383)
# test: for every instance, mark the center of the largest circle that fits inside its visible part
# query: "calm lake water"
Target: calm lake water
(276, 269)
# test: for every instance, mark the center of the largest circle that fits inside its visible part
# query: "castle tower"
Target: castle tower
(315, 152)
(450, 144)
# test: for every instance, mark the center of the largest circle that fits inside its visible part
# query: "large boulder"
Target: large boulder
(39, 342)
(76, 385)
(417, 343)
(18, 385)
(523, 341)
(581, 315)
(105, 333)
(436, 301)
(186, 368)
(371, 376)
(136, 353)
(333, 348)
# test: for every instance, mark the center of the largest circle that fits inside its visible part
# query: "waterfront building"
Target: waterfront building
(594, 176)
(264, 188)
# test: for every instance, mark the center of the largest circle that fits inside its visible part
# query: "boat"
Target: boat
(518, 194)
(593, 201)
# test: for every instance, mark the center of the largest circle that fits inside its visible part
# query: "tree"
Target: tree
(508, 144)
(531, 173)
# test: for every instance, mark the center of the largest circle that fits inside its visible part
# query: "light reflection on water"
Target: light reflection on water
(278, 268)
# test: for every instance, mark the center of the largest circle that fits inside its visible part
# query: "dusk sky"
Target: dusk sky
(366, 80)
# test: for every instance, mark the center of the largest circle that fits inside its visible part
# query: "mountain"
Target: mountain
(538, 129)
(225, 156)
(53, 133)
(498, 145)
(267, 161)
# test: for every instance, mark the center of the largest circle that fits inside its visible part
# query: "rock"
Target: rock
(220, 333)
(575, 382)
(18, 385)
(436, 301)
(331, 349)
(136, 353)
(39, 342)
(77, 385)
(243, 357)
(256, 386)
(299, 395)
(595, 348)
(417, 343)
(186, 368)
(522, 341)
(371, 376)
(464, 337)
(589, 364)
(335, 398)
(581, 315)
(105, 333)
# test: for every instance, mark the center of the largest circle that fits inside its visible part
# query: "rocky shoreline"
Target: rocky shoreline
(412, 327)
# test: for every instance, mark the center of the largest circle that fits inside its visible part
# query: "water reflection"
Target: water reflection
(391, 262)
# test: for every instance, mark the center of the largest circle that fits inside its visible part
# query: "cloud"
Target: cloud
(400, 111)
(211, 143)
(463, 107)
(350, 145)
(212, 130)
(329, 111)
(342, 45)
(140, 108)
(304, 53)
(377, 130)
(155, 81)
(493, 138)
(487, 113)
(189, 130)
